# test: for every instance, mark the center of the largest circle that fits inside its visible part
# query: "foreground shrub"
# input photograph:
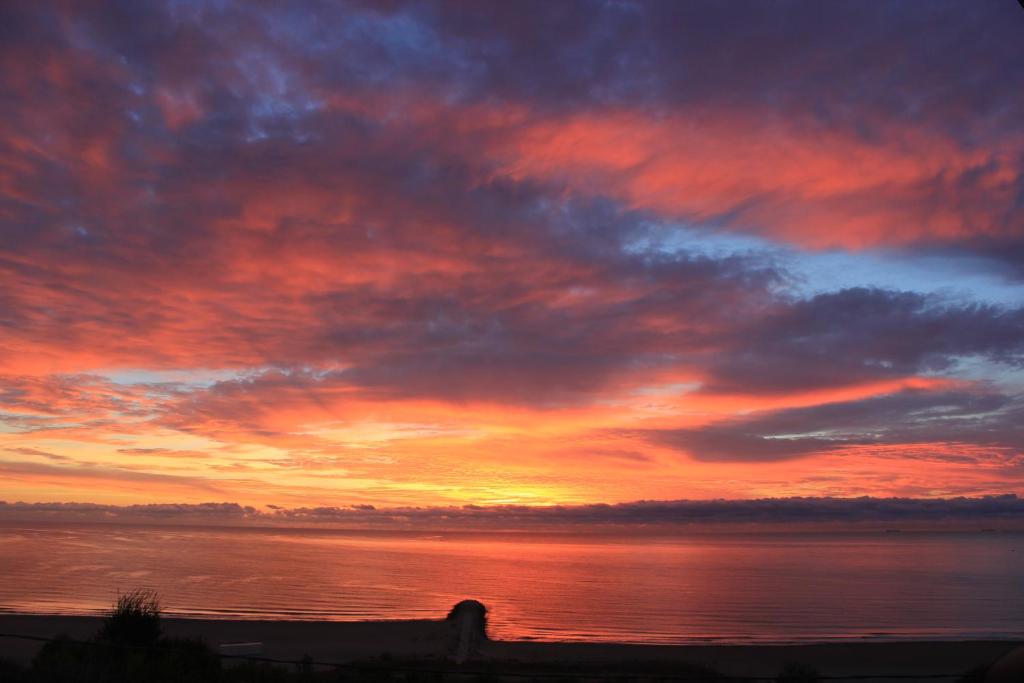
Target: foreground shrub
(255, 672)
(127, 649)
(134, 619)
(975, 675)
(170, 661)
(794, 672)
(10, 672)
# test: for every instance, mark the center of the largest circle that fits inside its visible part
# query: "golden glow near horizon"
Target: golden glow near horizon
(273, 267)
(398, 454)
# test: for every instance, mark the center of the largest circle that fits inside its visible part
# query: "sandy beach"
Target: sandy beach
(432, 639)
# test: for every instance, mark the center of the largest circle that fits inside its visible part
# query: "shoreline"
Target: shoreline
(433, 640)
(710, 641)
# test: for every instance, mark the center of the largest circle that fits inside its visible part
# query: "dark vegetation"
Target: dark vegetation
(69, 661)
(131, 648)
(795, 672)
(135, 620)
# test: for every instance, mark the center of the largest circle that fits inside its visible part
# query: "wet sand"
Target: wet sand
(427, 639)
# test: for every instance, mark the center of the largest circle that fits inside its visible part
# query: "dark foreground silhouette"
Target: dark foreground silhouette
(130, 645)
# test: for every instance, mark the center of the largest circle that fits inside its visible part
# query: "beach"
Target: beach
(432, 640)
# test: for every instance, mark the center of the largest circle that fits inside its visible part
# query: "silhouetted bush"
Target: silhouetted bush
(794, 672)
(255, 672)
(127, 649)
(60, 660)
(185, 659)
(134, 619)
(10, 672)
(975, 675)
(170, 661)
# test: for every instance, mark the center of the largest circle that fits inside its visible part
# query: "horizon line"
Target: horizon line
(707, 513)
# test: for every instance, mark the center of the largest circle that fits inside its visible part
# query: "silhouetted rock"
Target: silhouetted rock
(469, 621)
(474, 610)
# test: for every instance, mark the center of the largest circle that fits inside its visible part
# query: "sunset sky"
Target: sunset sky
(446, 253)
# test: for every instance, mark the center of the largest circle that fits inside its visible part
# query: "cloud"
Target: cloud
(217, 512)
(164, 452)
(652, 515)
(359, 215)
(256, 175)
(32, 471)
(908, 417)
(38, 453)
(862, 334)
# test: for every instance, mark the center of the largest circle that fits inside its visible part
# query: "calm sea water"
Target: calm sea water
(745, 588)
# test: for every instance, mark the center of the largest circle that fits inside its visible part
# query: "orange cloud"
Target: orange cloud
(783, 177)
(396, 288)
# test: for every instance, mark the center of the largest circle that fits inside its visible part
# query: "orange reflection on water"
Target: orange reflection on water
(769, 587)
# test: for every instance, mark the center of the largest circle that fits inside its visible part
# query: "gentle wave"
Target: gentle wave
(735, 589)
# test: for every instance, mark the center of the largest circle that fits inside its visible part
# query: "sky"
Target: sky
(410, 254)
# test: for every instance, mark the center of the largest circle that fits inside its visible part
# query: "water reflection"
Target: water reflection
(737, 588)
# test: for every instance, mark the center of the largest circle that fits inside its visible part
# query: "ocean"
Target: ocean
(735, 588)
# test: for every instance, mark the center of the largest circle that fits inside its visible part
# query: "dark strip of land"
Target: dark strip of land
(432, 640)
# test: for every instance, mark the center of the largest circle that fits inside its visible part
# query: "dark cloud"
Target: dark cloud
(926, 63)
(654, 515)
(936, 417)
(860, 334)
(98, 512)
(203, 151)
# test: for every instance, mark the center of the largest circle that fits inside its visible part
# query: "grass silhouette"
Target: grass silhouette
(134, 619)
